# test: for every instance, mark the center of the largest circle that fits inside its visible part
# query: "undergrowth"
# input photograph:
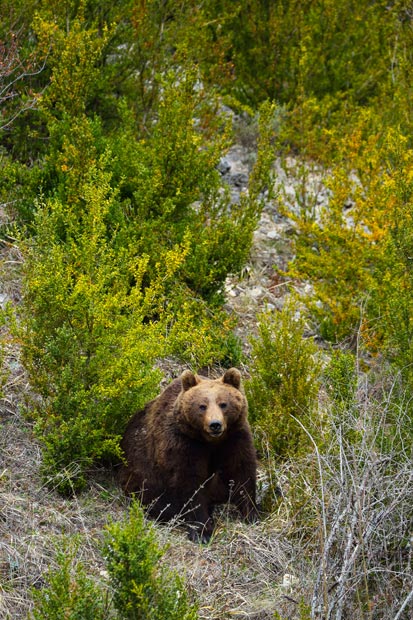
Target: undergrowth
(347, 507)
(137, 586)
(283, 389)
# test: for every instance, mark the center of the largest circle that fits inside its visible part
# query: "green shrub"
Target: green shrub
(85, 340)
(143, 589)
(171, 189)
(340, 379)
(70, 593)
(337, 248)
(284, 384)
(281, 50)
(392, 293)
(139, 586)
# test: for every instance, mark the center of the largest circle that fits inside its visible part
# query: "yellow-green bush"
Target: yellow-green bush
(143, 589)
(133, 237)
(340, 244)
(70, 590)
(356, 249)
(85, 342)
(281, 50)
(94, 320)
(284, 384)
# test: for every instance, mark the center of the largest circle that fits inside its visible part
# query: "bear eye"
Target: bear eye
(223, 405)
(202, 407)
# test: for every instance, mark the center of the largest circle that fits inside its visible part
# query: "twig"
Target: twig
(404, 605)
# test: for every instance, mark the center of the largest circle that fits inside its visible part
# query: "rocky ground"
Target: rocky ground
(259, 287)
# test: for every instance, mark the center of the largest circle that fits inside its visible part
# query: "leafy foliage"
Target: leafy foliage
(143, 589)
(112, 126)
(132, 239)
(355, 249)
(313, 48)
(341, 379)
(70, 592)
(285, 381)
(85, 341)
(140, 586)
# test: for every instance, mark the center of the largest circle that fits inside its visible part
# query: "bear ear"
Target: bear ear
(232, 377)
(188, 379)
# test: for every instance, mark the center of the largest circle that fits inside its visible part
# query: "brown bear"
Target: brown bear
(190, 449)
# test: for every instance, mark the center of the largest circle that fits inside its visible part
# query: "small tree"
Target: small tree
(70, 592)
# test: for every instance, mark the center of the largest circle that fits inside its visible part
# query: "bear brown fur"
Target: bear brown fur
(190, 449)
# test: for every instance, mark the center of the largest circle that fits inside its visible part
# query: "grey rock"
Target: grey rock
(239, 180)
(223, 166)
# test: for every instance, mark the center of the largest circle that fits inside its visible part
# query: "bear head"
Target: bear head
(210, 408)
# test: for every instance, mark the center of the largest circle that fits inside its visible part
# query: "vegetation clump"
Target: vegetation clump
(285, 382)
(136, 584)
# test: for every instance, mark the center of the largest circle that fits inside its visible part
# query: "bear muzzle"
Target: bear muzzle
(215, 428)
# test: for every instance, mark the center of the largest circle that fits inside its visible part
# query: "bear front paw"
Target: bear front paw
(199, 535)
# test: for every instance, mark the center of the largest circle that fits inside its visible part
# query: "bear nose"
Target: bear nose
(215, 426)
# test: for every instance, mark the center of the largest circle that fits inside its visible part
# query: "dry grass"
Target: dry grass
(33, 519)
(338, 540)
(237, 575)
(348, 512)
